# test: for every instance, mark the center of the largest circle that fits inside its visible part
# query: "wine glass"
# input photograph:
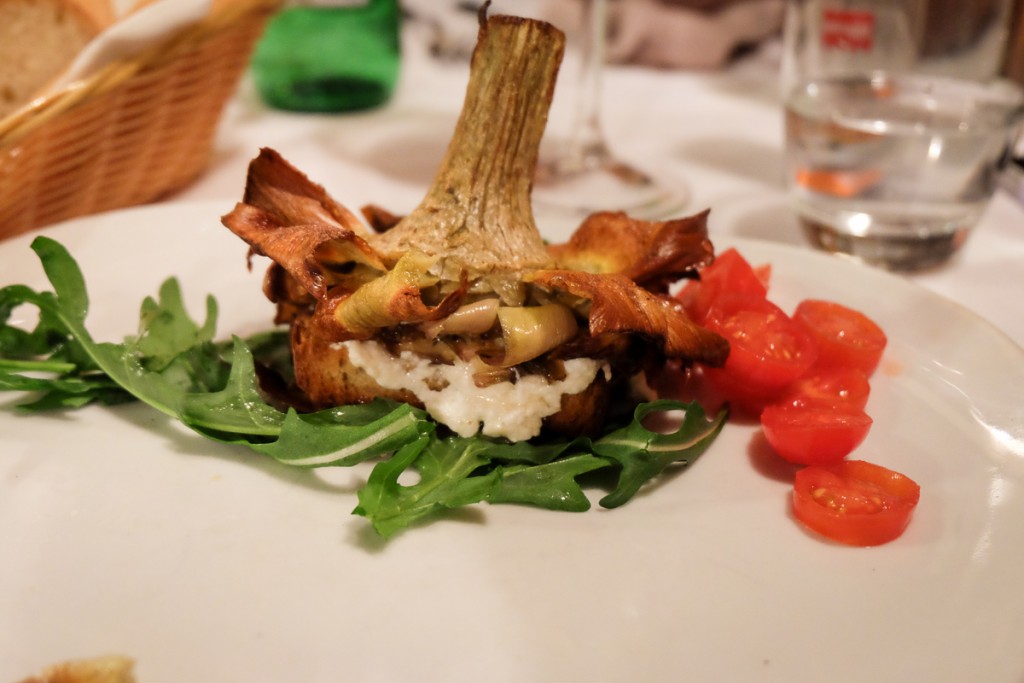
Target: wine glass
(583, 175)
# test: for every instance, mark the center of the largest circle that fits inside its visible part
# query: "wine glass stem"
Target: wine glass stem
(587, 147)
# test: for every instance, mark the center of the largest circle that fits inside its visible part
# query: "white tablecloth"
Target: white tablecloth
(718, 132)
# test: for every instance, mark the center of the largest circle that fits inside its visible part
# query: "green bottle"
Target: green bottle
(329, 55)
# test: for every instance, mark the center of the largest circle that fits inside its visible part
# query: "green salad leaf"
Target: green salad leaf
(175, 365)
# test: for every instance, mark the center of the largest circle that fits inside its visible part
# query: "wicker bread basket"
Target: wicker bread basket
(132, 132)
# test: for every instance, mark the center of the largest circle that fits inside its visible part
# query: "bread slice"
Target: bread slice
(106, 669)
(327, 377)
(41, 38)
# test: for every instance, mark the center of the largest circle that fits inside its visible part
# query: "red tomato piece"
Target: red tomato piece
(764, 274)
(721, 386)
(729, 273)
(814, 434)
(767, 350)
(845, 337)
(842, 387)
(855, 502)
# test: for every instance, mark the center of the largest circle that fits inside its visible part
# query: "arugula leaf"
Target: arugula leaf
(644, 454)
(238, 408)
(65, 276)
(165, 329)
(274, 351)
(16, 343)
(553, 485)
(457, 471)
(331, 437)
(61, 333)
(175, 365)
(337, 436)
(48, 359)
(445, 467)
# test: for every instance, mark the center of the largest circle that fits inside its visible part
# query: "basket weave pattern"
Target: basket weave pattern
(132, 134)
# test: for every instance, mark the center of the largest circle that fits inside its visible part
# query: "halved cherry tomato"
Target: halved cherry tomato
(767, 350)
(729, 273)
(842, 387)
(855, 502)
(720, 386)
(764, 274)
(814, 434)
(845, 337)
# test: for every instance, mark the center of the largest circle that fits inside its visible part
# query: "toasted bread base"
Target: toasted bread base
(327, 376)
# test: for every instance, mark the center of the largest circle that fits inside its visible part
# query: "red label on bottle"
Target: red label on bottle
(848, 29)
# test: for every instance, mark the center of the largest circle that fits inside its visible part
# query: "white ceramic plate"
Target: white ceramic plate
(121, 532)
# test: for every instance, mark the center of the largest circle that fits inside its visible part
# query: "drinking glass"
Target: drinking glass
(895, 138)
(582, 175)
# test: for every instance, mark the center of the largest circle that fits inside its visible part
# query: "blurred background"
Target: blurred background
(140, 122)
(700, 34)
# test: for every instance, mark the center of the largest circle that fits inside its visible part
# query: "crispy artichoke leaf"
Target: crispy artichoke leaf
(617, 304)
(379, 218)
(651, 253)
(317, 255)
(286, 193)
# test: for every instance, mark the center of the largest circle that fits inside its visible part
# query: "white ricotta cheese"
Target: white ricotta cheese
(514, 411)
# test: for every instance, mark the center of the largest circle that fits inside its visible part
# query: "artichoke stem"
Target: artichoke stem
(478, 210)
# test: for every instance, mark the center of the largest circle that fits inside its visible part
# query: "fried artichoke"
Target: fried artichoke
(460, 306)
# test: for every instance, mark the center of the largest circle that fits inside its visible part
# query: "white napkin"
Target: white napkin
(132, 34)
